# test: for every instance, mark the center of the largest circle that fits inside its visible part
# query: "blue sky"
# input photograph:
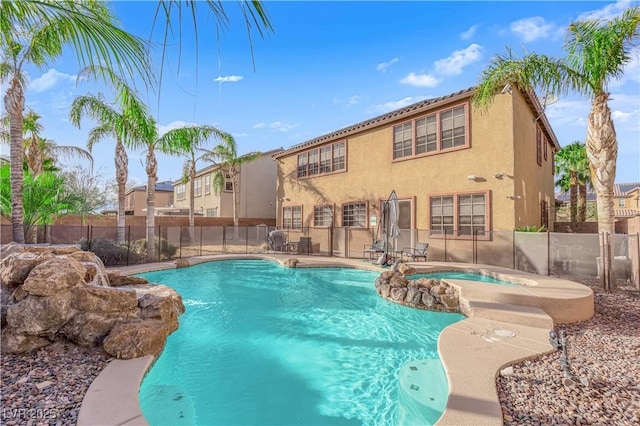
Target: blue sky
(328, 65)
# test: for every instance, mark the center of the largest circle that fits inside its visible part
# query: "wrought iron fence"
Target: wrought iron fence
(544, 253)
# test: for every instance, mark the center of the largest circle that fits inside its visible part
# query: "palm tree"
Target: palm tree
(38, 150)
(572, 169)
(189, 170)
(225, 156)
(597, 51)
(120, 120)
(36, 32)
(174, 142)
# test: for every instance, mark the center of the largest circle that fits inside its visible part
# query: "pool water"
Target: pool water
(461, 276)
(261, 344)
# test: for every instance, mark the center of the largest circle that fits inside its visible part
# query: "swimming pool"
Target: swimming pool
(467, 276)
(262, 344)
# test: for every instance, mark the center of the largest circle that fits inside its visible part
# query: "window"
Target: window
(212, 212)
(197, 187)
(441, 131)
(453, 128)
(322, 216)
(442, 215)
(546, 143)
(426, 134)
(228, 183)
(181, 192)
(355, 215)
(171, 200)
(292, 217)
(314, 166)
(621, 202)
(461, 215)
(471, 214)
(538, 146)
(402, 140)
(207, 184)
(326, 159)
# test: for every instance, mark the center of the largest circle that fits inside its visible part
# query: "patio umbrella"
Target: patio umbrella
(394, 215)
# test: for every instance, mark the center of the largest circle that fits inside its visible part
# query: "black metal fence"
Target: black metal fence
(545, 253)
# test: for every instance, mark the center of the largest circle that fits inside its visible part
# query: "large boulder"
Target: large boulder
(16, 267)
(103, 299)
(54, 276)
(90, 328)
(117, 280)
(36, 315)
(137, 338)
(7, 249)
(5, 300)
(19, 343)
(405, 269)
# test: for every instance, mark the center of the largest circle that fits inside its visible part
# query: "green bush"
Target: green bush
(167, 250)
(531, 229)
(109, 251)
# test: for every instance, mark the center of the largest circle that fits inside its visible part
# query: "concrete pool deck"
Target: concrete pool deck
(504, 325)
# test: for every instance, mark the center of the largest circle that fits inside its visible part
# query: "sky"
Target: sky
(330, 64)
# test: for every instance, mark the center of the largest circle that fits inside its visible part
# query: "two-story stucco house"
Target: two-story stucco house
(456, 171)
(135, 200)
(257, 191)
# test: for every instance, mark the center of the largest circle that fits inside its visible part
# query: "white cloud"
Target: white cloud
(162, 129)
(459, 59)
(348, 102)
(469, 33)
(276, 125)
(534, 28)
(568, 113)
(50, 79)
(228, 79)
(382, 67)
(420, 80)
(608, 12)
(393, 105)
(621, 116)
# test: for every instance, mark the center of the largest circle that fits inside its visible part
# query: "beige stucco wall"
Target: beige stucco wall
(372, 174)
(257, 192)
(137, 201)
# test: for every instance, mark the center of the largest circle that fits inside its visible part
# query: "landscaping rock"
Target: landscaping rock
(405, 269)
(90, 328)
(7, 249)
(182, 263)
(13, 342)
(54, 276)
(104, 299)
(136, 339)
(40, 314)
(117, 280)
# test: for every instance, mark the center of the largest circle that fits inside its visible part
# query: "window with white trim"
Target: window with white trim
(197, 187)
(228, 183)
(326, 159)
(207, 184)
(212, 212)
(181, 192)
(354, 215)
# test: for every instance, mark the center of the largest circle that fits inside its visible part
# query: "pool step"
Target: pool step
(423, 392)
(515, 314)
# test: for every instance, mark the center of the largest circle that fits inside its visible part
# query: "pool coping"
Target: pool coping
(504, 325)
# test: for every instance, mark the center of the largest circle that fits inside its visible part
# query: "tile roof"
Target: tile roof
(620, 190)
(165, 185)
(626, 212)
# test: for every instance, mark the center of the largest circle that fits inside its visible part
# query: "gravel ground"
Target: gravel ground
(604, 387)
(47, 386)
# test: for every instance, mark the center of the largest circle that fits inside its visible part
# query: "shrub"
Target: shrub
(167, 250)
(109, 251)
(531, 229)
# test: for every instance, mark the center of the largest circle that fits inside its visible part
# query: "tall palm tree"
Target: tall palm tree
(189, 169)
(36, 32)
(572, 170)
(37, 149)
(121, 119)
(596, 52)
(225, 156)
(174, 142)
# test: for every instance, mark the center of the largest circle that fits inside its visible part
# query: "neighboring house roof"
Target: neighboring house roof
(417, 107)
(164, 186)
(620, 190)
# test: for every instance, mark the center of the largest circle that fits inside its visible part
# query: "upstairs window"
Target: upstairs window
(181, 192)
(228, 183)
(197, 187)
(207, 184)
(538, 146)
(440, 131)
(317, 161)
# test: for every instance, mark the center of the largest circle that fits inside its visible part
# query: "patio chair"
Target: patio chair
(277, 240)
(378, 247)
(417, 252)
